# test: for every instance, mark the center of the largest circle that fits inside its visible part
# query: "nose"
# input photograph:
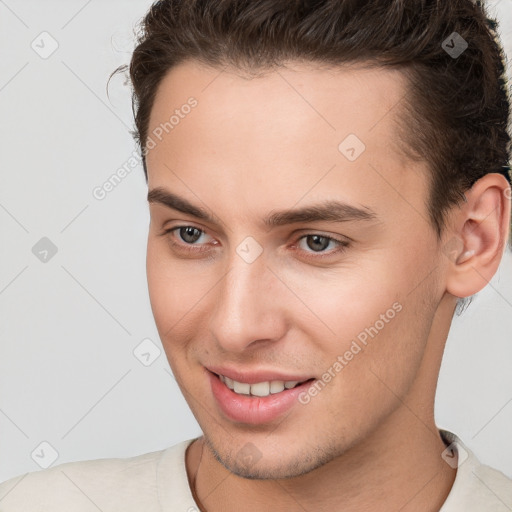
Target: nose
(250, 307)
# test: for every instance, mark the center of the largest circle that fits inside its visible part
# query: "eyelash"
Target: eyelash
(342, 244)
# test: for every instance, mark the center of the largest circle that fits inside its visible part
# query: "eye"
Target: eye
(318, 243)
(186, 238)
(189, 234)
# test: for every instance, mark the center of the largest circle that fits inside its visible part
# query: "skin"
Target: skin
(250, 147)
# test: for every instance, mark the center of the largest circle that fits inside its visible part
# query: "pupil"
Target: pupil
(188, 232)
(317, 242)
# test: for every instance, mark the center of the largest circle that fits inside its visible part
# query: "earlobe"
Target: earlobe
(481, 229)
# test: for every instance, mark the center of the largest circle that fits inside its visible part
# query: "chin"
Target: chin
(250, 463)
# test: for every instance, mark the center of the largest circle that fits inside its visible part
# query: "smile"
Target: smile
(259, 401)
(260, 389)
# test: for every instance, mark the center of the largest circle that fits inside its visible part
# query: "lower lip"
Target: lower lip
(253, 409)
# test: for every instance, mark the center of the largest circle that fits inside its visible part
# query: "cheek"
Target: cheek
(367, 315)
(168, 291)
(392, 335)
(179, 292)
(338, 304)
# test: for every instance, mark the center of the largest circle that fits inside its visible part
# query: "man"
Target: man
(326, 181)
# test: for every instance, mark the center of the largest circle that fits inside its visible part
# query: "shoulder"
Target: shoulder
(491, 486)
(477, 487)
(104, 484)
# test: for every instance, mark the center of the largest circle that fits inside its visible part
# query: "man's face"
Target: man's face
(234, 295)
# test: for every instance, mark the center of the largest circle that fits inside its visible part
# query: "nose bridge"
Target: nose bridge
(245, 309)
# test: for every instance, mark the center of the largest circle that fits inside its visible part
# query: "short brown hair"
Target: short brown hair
(455, 112)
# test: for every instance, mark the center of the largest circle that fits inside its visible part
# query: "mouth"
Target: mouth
(259, 401)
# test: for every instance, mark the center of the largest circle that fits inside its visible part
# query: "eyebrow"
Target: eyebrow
(327, 211)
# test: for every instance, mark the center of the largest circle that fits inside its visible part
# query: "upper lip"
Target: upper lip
(253, 376)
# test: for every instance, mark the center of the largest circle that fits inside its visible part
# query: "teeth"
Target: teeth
(242, 388)
(229, 382)
(276, 386)
(260, 388)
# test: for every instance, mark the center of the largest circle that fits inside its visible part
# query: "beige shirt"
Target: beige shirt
(157, 482)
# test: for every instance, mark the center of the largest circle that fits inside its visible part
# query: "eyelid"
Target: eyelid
(317, 256)
(168, 231)
(319, 232)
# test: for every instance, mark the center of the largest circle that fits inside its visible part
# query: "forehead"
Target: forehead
(285, 129)
(353, 98)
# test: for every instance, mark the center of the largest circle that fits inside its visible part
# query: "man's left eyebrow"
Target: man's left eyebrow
(328, 211)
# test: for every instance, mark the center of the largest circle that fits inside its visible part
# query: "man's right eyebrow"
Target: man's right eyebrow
(161, 196)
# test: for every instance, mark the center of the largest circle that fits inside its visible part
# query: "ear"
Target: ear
(479, 234)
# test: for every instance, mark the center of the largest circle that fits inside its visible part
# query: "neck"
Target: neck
(389, 472)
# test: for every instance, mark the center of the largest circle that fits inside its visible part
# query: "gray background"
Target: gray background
(69, 325)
